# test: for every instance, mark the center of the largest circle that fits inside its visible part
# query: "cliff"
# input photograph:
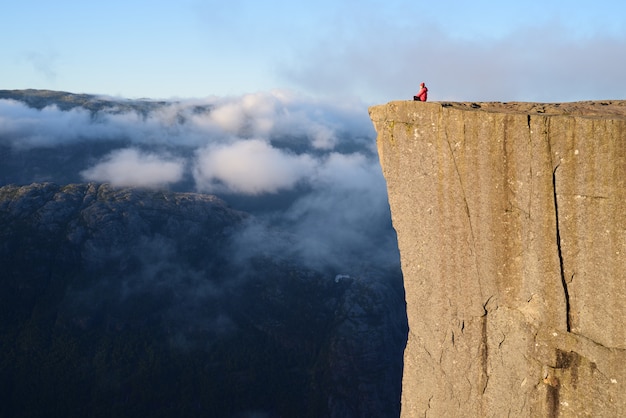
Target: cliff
(511, 226)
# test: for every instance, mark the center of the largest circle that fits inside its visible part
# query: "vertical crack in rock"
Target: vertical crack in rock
(530, 160)
(467, 210)
(458, 175)
(560, 251)
(484, 354)
(472, 245)
(484, 347)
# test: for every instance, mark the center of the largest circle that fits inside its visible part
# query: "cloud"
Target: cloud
(346, 213)
(349, 171)
(249, 167)
(130, 167)
(252, 114)
(305, 168)
(187, 123)
(179, 124)
(343, 215)
(542, 62)
(24, 127)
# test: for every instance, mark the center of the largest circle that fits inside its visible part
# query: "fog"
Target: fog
(250, 167)
(306, 169)
(131, 167)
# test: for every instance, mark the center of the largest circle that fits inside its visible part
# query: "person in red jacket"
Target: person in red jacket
(422, 95)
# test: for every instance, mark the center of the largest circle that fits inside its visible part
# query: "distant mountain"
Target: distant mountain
(39, 99)
(128, 303)
(163, 301)
(57, 158)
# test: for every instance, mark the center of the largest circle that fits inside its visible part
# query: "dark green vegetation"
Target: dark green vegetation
(127, 303)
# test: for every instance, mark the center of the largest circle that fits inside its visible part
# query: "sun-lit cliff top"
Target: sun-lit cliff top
(593, 108)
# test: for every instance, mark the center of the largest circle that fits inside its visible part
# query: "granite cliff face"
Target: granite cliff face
(511, 226)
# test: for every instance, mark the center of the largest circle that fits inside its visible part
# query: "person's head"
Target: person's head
(422, 85)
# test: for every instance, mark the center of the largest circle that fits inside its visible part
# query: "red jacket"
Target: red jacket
(423, 94)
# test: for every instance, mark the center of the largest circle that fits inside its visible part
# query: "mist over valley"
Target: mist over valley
(216, 257)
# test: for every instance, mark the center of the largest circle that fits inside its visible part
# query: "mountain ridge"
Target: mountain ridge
(98, 280)
(157, 299)
(39, 99)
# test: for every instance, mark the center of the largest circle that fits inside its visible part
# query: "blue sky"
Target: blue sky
(372, 51)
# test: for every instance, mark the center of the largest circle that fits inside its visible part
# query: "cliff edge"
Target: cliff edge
(511, 222)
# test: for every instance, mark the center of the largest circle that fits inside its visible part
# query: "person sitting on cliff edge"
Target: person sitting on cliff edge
(421, 95)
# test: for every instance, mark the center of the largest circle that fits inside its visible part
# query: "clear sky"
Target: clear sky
(373, 51)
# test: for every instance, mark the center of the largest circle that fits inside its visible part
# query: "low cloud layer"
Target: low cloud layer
(131, 167)
(254, 144)
(251, 167)
(307, 169)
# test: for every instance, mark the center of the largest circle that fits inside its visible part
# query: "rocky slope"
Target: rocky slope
(128, 302)
(512, 233)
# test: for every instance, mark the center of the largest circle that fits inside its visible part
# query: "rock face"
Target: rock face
(511, 226)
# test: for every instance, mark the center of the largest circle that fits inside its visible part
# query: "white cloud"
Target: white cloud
(130, 167)
(538, 62)
(344, 212)
(248, 115)
(321, 152)
(253, 144)
(190, 123)
(349, 171)
(24, 127)
(250, 167)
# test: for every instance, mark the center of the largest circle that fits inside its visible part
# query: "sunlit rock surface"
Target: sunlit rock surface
(511, 224)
